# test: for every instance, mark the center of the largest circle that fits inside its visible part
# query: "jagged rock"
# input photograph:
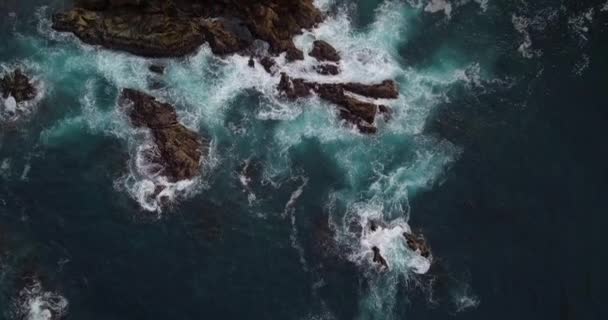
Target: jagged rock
(17, 85)
(360, 113)
(180, 149)
(327, 69)
(222, 38)
(378, 258)
(323, 51)
(387, 89)
(416, 242)
(150, 35)
(269, 64)
(158, 28)
(251, 62)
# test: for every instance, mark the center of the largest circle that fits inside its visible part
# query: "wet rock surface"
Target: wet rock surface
(360, 113)
(416, 242)
(327, 69)
(180, 149)
(157, 28)
(323, 51)
(17, 85)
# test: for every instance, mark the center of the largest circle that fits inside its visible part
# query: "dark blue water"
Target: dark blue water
(496, 154)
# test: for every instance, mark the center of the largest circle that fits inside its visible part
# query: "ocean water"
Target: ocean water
(495, 153)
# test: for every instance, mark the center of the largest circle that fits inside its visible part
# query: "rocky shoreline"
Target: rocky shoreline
(157, 28)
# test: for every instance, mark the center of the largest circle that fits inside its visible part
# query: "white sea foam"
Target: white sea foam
(439, 5)
(34, 303)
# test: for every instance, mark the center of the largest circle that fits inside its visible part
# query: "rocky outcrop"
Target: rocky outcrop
(360, 113)
(159, 28)
(323, 51)
(17, 85)
(149, 35)
(180, 149)
(417, 243)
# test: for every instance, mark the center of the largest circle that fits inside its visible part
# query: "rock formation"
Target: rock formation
(323, 51)
(180, 149)
(360, 113)
(17, 85)
(160, 28)
(416, 242)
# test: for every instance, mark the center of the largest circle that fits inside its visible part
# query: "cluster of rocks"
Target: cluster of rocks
(17, 85)
(156, 28)
(180, 149)
(416, 243)
(352, 109)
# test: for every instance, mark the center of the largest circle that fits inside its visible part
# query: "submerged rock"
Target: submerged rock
(158, 28)
(323, 51)
(180, 149)
(358, 112)
(18, 86)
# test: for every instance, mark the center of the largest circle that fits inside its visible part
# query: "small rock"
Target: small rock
(324, 51)
(378, 258)
(158, 69)
(327, 69)
(417, 243)
(17, 85)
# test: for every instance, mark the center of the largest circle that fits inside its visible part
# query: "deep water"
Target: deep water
(495, 153)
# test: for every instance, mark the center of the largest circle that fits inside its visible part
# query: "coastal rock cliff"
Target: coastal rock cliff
(156, 28)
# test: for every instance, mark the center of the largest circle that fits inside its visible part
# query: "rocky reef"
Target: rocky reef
(180, 149)
(358, 112)
(159, 28)
(17, 85)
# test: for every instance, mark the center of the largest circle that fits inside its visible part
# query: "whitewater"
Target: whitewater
(380, 172)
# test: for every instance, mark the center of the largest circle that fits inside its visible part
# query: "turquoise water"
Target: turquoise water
(244, 240)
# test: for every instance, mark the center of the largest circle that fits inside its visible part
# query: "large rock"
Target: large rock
(150, 35)
(159, 28)
(323, 51)
(180, 149)
(358, 112)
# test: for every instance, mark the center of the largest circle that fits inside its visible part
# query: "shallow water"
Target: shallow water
(502, 199)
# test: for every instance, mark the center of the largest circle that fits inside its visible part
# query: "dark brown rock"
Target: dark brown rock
(360, 113)
(387, 89)
(17, 85)
(180, 149)
(149, 35)
(269, 64)
(323, 51)
(416, 242)
(157, 28)
(327, 69)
